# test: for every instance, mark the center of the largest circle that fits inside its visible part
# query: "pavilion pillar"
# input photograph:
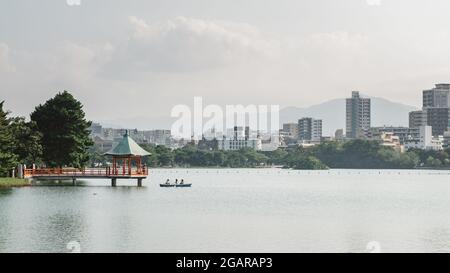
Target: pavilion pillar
(114, 166)
(129, 165)
(139, 164)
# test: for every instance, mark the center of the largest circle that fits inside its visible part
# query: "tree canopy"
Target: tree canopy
(8, 159)
(27, 141)
(65, 131)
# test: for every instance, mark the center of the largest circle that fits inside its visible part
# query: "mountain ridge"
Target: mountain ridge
(383, 112)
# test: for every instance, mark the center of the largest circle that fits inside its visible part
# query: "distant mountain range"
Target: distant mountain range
(384, 112)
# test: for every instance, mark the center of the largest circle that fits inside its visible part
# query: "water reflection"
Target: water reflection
(234, 211)
(436, 240)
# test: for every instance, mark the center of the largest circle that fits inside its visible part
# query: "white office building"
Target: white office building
(425, 141)
(239, 138)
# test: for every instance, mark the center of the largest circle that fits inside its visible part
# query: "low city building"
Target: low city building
(102, 145)
(388, 139)
(239, 138)
(290, 130)
(105, 138)
(238, 144)
(425, 141)
(272, 144)
(339, 135)
(403, 133)
(208, 144)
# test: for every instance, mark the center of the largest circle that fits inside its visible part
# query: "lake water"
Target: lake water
(235, 210)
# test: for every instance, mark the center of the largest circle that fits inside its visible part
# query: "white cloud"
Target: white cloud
(74, 63)
(226, 62)
(186, 44)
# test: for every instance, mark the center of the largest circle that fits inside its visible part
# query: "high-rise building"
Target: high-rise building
(436, 103)
(417, 119)
(438, 119)
(357, 116)
(310, 129)
(438, 97)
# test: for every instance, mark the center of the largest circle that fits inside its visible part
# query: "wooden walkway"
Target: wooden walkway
(88, 173)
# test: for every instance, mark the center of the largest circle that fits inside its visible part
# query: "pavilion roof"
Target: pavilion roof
(127, 147)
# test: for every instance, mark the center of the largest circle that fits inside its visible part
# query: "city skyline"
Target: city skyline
(310, 51)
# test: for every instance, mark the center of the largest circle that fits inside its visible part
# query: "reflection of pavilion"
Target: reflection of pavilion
(123, 155)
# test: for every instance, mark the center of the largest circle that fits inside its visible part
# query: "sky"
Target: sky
(140, 58)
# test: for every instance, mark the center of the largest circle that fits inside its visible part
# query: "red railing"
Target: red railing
(87, 172)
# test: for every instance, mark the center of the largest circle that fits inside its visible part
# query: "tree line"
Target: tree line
(56, 135)
(354, 154)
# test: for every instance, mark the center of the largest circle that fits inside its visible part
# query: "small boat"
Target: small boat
(183, 185)
(167, 185)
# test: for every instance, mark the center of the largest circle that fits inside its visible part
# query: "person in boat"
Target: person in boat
(168, 182)
(182, 182)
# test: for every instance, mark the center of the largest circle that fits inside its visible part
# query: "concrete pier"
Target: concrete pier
(113, 182)
(139, 182)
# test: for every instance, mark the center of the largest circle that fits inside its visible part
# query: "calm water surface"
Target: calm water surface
(266, 210)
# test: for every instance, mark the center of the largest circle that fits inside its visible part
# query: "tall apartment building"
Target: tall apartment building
(357, 116)
(438, 119)
(417, 119)
(310, 129)
(437, 97)
(436, 103)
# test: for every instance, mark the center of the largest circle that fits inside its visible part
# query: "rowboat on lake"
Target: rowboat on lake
(177, 185)
(183, 185)
(167, 185)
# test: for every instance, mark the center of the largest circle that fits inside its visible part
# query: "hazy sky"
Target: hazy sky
(132, 58)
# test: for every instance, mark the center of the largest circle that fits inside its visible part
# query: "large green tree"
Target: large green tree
(8, 159)
(26, 140)
(65, 131)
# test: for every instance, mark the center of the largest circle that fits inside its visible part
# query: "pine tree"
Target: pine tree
(8, 159)
(65, 131)
(27, 141)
